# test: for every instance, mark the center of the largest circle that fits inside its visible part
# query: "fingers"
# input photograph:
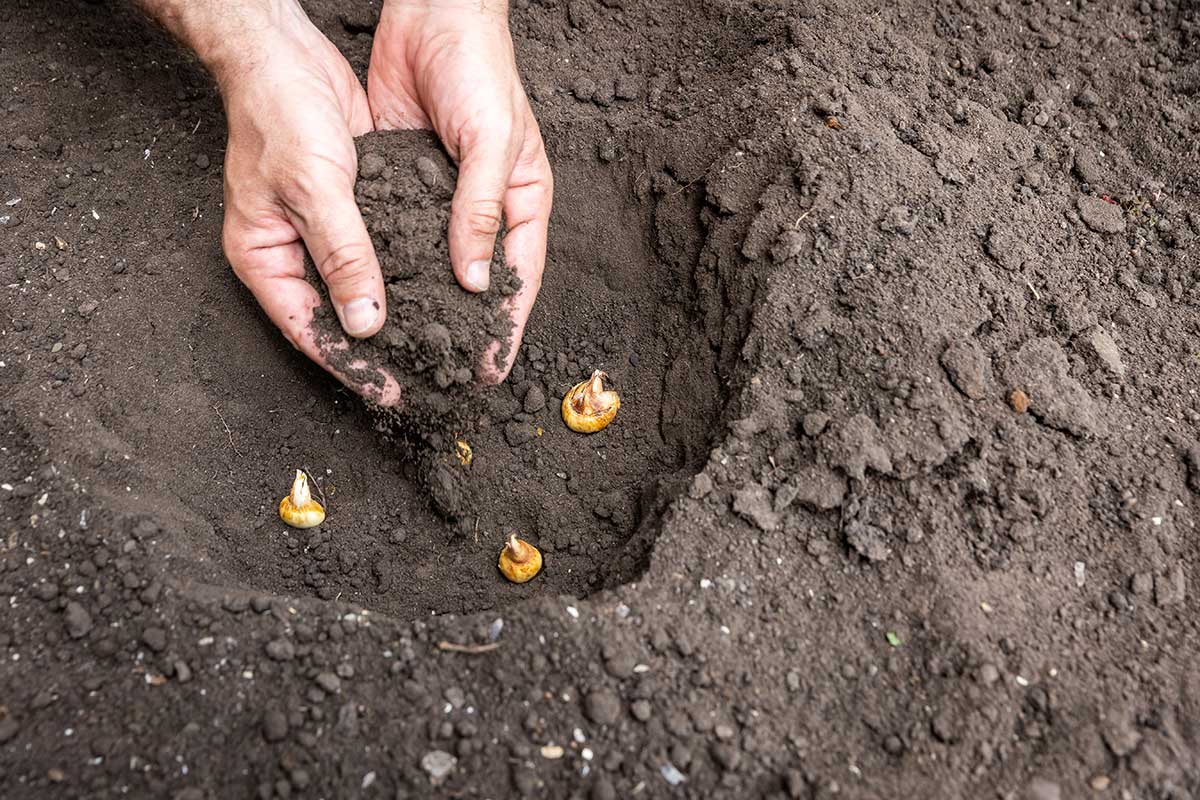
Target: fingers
(323, 211)
(275, 276)
(477, 211)
(527, 205)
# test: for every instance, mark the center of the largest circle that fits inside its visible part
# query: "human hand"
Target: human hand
(449, 65)
(294, 107)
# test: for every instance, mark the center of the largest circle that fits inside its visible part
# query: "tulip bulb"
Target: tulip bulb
(519, 560)
(588, 407)
(299, 509)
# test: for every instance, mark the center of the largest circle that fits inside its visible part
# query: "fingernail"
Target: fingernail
(479, 275)
(359, 316)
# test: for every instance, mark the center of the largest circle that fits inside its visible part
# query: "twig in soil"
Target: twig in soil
(470, 649)
(800, 218)
(228, 432)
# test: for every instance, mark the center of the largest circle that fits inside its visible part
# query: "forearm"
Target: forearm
(228, 36)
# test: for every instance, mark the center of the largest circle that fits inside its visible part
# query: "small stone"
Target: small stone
(727, 755)
(1101, 216)
(893, 745)
(455, 696)
(966, 365)
(1141, 584)
(1100, 783)
(1087, 166)
(1170, 588)
(945, 727)
(183, 673)
(671, 774)
(814, 423)
(1042, 789)
(988, 674)
(8, 729)
(702, 485)
(371, 166)
(155, 638)
(281, 650)
(1101, 346)
(603, 706)
(641, 710)
(329, 682)
(275, 725)
(1121, 734)
(535, 400)
(1018, 400)
(202, 161)
(438, 764)
(79, 621)
(428, 172)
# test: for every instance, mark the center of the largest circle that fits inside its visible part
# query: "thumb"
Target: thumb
(476, 212)
(336, 238)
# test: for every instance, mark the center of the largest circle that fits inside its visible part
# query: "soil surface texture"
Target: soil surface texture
(902, 302)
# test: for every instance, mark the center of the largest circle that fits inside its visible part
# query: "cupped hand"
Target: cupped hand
(449, 65)
(294, 107)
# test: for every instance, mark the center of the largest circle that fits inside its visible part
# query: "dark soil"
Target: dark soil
(819, 553)
(436, 334)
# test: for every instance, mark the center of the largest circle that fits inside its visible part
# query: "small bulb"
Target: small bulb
(519, 560)
(588, 408)
(299, 509)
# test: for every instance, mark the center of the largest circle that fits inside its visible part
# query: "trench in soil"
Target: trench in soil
(619, 294)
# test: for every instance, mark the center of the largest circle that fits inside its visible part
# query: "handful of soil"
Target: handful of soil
(436, 332)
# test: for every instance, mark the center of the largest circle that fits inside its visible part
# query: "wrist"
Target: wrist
(463, 10)
(230, 38)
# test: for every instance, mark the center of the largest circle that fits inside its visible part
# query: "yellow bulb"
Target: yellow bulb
(519, 560)
(299, 509)
(588, 408)
(463, 452)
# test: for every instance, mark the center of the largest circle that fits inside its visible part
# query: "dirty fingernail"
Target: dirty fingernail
(360, 316)
(479, 275)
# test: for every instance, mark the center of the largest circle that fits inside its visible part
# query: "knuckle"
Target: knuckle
(484, 217)
(302, 188)
(346, 265)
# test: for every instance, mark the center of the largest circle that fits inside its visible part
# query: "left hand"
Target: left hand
(449, 65)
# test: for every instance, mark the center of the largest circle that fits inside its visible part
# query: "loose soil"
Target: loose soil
(901, 300)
